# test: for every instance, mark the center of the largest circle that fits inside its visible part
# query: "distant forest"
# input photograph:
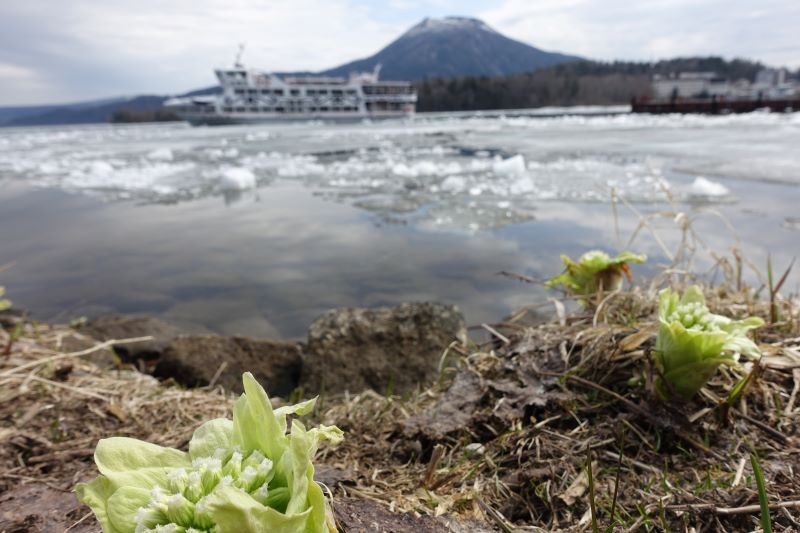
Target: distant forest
(574, 83)
(566, 84)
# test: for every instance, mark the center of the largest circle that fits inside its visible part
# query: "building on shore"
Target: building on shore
(768, 84)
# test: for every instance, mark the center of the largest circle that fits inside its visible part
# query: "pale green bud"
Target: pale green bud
(261, 494)
(194, 488)
(148, 517)
(180, 510)
(169, 528)
(202, 514)
(177, 480)
(234, 465)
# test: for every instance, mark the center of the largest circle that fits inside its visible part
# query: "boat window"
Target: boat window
(294, 92)
(323, 91)
(311, 92)
(279, 110)
(240, 110)
(228, 109)
(336, 92)
(265, 91)
(239, 91)
(323, 109)
(279, 92)
(351, 91)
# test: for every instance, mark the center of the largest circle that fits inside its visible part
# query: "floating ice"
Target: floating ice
(453, 184)
(160, 154)
(100, 168)
(237, 179)
(512, 165)
(704, 187)
(432, 167)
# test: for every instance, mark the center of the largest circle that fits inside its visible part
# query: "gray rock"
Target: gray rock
(397, 348)
(194, 360)
(142, 354)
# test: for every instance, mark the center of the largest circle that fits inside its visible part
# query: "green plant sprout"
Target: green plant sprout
(4, 304)
(693, 342)
(245, 475)
(595, 272)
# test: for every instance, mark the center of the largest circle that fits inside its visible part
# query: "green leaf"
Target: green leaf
(693, 295)
(95, 494)
(688, 379)
(210, 437)
(132, 463)
(693, 342)
(593, 270)
(255, 426)
(300, 454)
(763, 500)
(122, 507)
(235, 511)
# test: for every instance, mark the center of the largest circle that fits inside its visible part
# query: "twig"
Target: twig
(746, 509)
(494, 515)
(76, 390)
(84, 517)
(87, 351)
(496, 333)
(771, 431)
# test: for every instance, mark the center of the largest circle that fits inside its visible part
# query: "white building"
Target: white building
(689, 85)
(774, 83)
(769, 84)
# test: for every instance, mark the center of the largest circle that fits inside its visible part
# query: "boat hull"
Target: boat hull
(208, 119)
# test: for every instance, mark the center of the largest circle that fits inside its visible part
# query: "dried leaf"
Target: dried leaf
(578, 486)
(117, 412)
(634, 340)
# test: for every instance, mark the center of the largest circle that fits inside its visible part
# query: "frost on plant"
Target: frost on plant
(595, 272)
(693, 342)
(247, 475)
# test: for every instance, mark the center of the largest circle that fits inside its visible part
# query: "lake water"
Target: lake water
(259, 229)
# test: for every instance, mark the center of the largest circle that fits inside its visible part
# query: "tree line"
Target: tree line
(573, 83)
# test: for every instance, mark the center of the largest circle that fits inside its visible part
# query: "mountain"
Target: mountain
(435, 48)
(9, 114)
(452, 47)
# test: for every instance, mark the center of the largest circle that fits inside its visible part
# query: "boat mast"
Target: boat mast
(238, 62)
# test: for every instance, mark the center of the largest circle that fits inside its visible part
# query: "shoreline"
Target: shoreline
(506, 411)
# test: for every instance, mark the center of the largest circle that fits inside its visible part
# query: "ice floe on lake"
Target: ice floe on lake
(446, 170)
(705, 187)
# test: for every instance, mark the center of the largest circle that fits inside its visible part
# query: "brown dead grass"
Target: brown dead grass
(536, 410)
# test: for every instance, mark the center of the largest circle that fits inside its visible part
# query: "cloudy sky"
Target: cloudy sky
(62, 51)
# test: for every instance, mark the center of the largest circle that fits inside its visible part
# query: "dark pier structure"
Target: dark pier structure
(714, 106)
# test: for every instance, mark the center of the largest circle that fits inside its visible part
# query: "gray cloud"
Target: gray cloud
(83, 49)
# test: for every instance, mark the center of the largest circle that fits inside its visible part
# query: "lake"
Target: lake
(257, 230)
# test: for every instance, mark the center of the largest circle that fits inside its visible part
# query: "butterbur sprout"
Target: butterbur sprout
(245, 475)
(693, 342)
(4, 304)
(595, 272)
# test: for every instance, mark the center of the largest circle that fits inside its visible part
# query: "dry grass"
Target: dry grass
(505, 436)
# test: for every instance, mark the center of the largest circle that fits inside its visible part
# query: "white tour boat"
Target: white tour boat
(250, 96)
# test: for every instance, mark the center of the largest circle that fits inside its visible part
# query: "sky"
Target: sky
(54, 51)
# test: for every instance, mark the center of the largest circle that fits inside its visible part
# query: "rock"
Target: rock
(142, 354)
(365, 516)
(397, 348)
(76, 341)
(11, 317)
(194, 360)
(41, 509)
